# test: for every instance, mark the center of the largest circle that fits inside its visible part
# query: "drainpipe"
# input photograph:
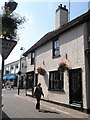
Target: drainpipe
(34, 74)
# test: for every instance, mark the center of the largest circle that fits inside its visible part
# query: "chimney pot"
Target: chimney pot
(60, 5)
(65, 6)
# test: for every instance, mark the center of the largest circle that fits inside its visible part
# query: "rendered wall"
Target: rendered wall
(72, 44)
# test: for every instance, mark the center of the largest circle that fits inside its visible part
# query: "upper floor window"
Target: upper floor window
(12, 67)
(16, 66)
(22, 65)
(56, 80)
(32, 58)
(56, 51)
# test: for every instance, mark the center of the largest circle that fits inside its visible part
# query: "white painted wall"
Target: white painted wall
(72, 44)
(14, 70)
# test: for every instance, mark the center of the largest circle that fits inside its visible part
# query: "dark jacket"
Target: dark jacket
(38, 92)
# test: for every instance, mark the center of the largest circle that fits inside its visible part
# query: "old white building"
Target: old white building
(69, 42)
(11, 70)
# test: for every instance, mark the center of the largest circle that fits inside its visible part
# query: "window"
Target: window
(56, 51)
(22, 65)
(16, 66)
(32, 58)
(56, 80)
(11, 67)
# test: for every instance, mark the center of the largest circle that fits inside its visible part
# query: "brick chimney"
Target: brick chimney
(61, 16)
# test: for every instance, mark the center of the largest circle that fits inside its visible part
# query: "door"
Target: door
(30, 81)
(75, 86)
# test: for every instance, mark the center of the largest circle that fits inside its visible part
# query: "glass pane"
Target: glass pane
(55, 45)
(58, 43)
(61, 84)
(51, 77)
(33, 55)
(56, 52)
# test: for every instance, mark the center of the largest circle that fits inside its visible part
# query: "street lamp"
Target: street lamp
(22, 49)
(19, 73)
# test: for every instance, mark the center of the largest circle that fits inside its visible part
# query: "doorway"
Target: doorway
(75, 87)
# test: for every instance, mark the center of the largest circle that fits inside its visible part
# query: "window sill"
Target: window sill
(55, 57)
(58, 90)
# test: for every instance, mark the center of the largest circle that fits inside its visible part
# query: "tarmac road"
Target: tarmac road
(22, 106)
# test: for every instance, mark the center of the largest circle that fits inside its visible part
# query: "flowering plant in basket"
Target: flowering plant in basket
(62, 66)
(41, 71)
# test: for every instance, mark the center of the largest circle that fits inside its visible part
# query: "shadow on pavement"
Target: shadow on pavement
(47, 111)
(4, 116)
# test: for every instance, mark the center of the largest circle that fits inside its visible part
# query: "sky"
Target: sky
(40, 20)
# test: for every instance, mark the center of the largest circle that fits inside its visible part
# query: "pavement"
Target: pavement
(22, 106)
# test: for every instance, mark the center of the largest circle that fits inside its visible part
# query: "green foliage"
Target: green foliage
(10, 24)
(62, 66)
(41, 71)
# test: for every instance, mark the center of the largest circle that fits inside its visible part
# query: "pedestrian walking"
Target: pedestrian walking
(38, 93)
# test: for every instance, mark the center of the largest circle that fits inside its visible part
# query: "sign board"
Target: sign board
(6, 47)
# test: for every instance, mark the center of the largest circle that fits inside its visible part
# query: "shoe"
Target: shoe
(39, 110)
(2, 105)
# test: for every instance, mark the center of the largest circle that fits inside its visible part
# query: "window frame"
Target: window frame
(32, 58)
(60, 80)
(56, 48)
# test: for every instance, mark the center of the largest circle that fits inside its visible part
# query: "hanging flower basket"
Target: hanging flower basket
(41, 71)
(63, 66)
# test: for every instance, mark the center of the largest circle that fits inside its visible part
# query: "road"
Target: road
(22, 106)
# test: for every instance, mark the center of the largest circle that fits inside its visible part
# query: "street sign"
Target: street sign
(6, 46)
(19, 73)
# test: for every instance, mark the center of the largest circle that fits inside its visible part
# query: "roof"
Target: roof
(11, 63)
(53, 34)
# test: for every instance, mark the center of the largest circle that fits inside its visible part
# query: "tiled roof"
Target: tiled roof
(51, 35)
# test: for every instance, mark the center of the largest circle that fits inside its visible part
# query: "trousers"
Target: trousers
(38, 104)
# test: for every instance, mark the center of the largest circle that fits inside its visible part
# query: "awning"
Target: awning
(5, 77)
(11, 77)
(8, 77)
